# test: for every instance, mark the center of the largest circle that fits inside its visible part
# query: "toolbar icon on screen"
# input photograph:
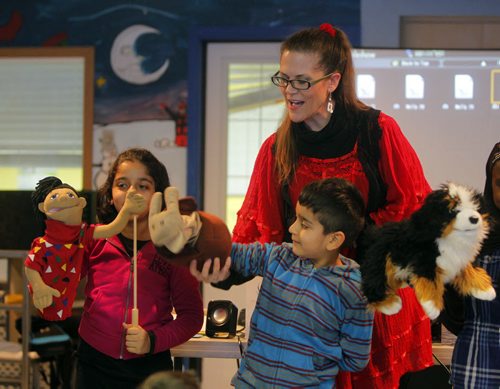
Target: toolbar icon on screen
(495, 87)
(414, 86)
(464, 86)
(365, 86)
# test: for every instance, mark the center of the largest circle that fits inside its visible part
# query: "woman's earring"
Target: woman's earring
(329, 106)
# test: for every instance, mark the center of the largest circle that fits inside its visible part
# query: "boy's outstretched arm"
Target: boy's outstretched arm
(217, 274)
(134, 204)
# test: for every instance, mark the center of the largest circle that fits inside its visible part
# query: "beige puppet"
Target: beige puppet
(53, 265)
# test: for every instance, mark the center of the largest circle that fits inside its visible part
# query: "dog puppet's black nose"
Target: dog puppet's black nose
(473, 219)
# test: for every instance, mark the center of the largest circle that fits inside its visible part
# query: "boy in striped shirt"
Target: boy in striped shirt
(310, 320)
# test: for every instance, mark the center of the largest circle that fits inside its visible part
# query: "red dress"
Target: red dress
(401, 342)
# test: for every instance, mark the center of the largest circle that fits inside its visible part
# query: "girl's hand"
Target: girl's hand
(137, 339)
(217, 274)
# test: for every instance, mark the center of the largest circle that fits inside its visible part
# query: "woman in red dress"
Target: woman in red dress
(328, 132)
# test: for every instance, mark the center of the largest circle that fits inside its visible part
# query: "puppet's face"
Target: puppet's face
(64, 205)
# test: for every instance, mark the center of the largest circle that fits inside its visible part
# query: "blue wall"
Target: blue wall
(146, 35)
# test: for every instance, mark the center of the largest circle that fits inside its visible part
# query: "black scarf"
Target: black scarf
(335, 140)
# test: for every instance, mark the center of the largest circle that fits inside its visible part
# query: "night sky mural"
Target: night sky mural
(141, 47)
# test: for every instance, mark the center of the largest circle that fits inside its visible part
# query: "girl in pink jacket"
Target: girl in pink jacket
(113, 353)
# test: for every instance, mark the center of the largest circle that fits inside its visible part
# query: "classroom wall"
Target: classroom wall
(141, 60)
(380, 18)
(141, 47)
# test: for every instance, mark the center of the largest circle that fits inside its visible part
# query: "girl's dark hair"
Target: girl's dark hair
(334, 56)
(493, 159)
(106, 211)
(338, 205)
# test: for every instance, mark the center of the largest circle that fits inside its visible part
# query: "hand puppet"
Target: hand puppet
(53, 265)
(181, 233)
(435, 246)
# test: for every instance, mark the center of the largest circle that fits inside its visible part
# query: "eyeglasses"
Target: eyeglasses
(283, 82)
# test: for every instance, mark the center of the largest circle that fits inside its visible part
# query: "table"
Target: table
(205, 347)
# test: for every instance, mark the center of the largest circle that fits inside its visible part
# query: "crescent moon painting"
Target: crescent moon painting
(125, 61)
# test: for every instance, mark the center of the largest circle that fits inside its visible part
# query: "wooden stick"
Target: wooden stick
(135, 311)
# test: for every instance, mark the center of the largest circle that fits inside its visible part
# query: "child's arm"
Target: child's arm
(246, 259)
(214, 275)
(42, 293)
(134, 204)
(355, 337)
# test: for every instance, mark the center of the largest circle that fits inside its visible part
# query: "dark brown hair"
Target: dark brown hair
(338, 206)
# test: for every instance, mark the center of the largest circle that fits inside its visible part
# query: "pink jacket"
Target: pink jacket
(161, 287)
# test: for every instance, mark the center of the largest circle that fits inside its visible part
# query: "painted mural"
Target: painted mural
(141, 52)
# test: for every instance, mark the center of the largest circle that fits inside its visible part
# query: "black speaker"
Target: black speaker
(221, 319)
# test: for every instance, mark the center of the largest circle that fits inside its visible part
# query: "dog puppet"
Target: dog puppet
(434, 247)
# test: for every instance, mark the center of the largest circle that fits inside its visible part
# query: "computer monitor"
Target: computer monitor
(447, 102)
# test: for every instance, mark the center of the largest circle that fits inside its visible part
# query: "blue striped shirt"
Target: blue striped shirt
(307, 324)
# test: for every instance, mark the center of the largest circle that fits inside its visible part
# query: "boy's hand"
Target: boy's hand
(135, 203)
(43, 295)
(217, 274)
(137, 339)
(169, 228)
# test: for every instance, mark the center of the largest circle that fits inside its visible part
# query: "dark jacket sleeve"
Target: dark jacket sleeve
(234, 278)
(452, 316)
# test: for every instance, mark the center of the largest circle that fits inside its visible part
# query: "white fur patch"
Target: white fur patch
(393, 308)
(486, 295)
(403, 273)
(430, 309)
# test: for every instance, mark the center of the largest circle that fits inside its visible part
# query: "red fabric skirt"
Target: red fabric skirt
(401, 343)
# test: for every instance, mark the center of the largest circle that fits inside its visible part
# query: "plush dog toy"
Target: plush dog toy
(435, 246)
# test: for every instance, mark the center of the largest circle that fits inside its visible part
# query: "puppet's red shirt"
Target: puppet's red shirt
(58, 256)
